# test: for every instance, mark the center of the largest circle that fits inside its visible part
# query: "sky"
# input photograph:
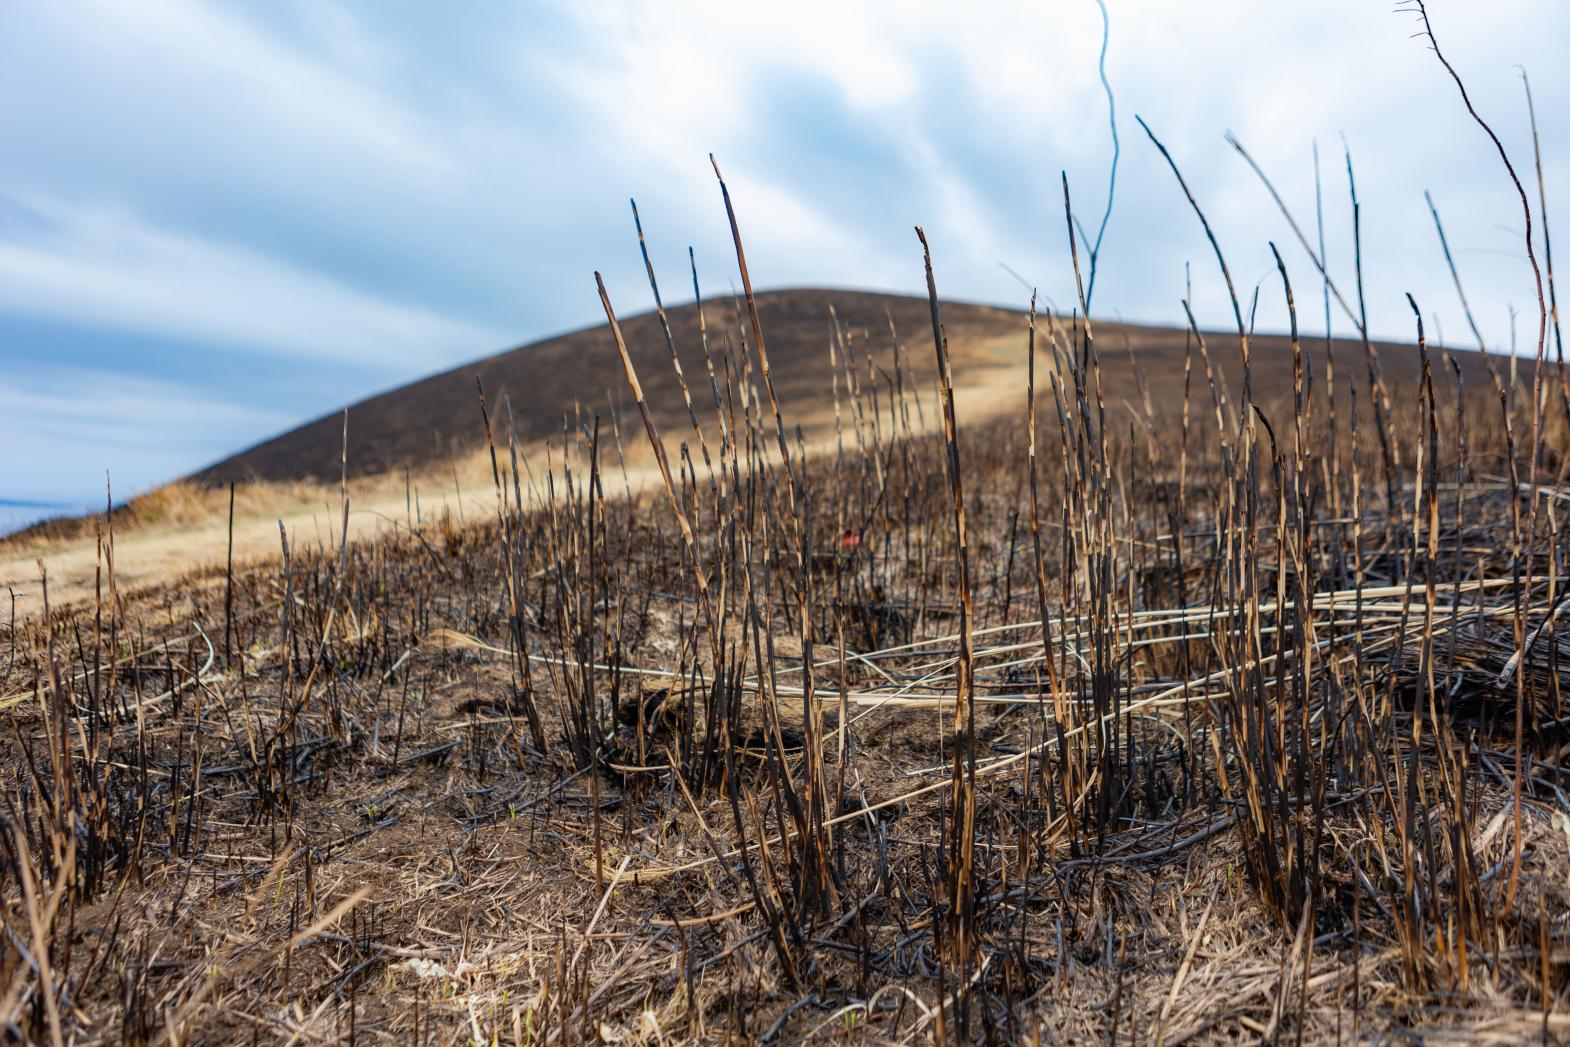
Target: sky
(221, 219)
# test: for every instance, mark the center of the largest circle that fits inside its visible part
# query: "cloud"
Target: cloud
(87, 264)
(201, 63)
(975, 113)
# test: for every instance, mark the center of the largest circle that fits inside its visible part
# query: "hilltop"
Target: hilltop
(437, 419)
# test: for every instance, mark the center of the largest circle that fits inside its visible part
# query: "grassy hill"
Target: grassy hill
(438, 418)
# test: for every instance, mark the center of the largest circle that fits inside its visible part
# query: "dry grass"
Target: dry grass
(190, 505)
(181, 505)
(354, 727)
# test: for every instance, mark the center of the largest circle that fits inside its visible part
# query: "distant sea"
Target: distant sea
(16, 514)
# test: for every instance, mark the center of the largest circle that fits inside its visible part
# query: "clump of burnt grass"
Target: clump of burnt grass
(1234, 717)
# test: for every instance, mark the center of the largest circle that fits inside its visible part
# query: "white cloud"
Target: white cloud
(108, 268)
(1007, 95)
(201, 59)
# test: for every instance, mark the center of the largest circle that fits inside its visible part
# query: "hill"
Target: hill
(437, 418)
(432, 427)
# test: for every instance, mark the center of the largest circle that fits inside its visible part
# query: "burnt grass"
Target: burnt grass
(772, 753)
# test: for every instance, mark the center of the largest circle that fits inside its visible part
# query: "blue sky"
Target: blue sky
(220, 219)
